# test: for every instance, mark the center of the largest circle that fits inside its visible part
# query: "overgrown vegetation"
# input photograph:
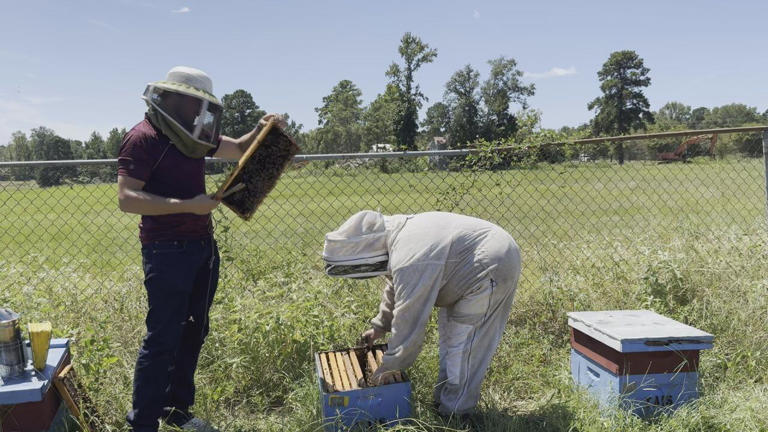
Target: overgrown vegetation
(685, 240)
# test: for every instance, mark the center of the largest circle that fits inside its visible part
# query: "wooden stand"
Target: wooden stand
(73, 397)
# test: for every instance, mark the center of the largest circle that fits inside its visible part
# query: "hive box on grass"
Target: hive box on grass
(343, 410)
(636, 359)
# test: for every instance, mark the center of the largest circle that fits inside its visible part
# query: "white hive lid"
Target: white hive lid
(639, 330)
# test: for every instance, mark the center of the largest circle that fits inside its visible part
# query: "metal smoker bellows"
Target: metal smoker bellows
(11, 349)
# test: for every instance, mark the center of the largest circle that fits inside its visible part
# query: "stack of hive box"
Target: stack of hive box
(636, 359)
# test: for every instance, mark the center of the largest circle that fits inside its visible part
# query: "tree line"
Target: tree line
(495, 112)
(470, 109)
(43, 144)
(472, 113)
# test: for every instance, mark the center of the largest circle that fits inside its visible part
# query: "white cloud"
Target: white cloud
(182, 10)
(552, 73)
(476, 14)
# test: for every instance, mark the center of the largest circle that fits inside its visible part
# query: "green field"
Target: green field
(686, 240)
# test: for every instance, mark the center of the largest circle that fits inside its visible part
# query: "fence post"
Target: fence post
(765, 164)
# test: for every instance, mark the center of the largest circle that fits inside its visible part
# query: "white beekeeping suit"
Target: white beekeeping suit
(466, 266)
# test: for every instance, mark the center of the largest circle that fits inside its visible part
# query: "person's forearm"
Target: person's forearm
(145, 203)
(383, 321)
(234, 148)
(245, 141)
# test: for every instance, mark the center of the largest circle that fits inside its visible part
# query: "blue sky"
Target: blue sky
(80, 66)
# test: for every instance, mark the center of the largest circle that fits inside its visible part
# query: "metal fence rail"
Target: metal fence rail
(74, 236)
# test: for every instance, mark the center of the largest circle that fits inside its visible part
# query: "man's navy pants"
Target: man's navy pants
(180, 278)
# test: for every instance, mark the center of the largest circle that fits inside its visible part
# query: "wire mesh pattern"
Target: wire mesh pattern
(74, 236)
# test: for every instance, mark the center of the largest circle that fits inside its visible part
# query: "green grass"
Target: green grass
(686, 240)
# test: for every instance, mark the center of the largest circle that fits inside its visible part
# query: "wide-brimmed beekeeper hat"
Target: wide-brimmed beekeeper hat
(358, 249)
(185, 98)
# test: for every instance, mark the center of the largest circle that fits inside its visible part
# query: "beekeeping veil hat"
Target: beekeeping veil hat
(358, 249)
(184, 108)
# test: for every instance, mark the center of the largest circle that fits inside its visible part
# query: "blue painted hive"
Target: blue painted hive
(30, 402)
(347, 397)
(636, 359)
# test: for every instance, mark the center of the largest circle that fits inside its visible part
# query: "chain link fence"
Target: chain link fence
(74, 237)
(69, 255)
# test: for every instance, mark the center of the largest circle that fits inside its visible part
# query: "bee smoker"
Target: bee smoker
(12, 358)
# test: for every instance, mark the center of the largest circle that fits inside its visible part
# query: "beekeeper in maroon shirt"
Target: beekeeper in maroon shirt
(161, 176)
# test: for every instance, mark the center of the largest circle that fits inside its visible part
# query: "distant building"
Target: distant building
(378, 148)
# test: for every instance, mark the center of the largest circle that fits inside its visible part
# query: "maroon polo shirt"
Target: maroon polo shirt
(146, 154)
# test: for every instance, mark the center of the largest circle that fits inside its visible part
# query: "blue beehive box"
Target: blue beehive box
(30, 402)
(636, 359)
(343, 410)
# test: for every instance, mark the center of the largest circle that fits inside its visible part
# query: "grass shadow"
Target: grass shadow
(553, 417)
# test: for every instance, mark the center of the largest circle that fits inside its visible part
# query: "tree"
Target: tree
(340, 119)
(20, 150)
(380, 118)
(5, 175)
(674, 114)
(748, 144)
(463, 98)
(735, 115)
(623, 106)
(47, 146)
(293, 129)
(502, 88)
(731, 115)
(414, 53)
(241, 114)
(77, 149)
(113, 142)
(697, 117)
(310, 142)
(94, 147)
(437, 121)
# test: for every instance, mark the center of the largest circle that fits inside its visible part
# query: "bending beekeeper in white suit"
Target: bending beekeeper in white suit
(467, 266)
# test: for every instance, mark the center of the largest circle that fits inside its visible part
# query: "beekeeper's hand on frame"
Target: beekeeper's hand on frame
(371, 335)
